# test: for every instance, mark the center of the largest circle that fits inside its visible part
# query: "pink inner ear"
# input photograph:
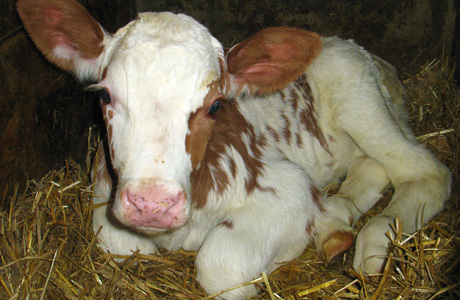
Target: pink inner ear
(260, 74)
(258, 69)
(273, 58)
(54, 16)
(56, 29)
(64, 31)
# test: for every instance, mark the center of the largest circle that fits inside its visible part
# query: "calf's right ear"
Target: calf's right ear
(66, 34)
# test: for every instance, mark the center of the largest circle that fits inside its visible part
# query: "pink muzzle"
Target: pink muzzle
(152, 205)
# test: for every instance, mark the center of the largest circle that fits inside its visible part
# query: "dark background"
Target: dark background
(45, 116)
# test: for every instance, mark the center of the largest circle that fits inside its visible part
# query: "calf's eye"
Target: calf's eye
(105, 96)
(215, 107)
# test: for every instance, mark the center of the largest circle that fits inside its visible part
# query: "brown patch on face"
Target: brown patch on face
(102, 168)
(228, 224)
(228, 130)
(317, 197)
(108, 115)
(109, 132)
(99, 167)
(201, 125)
(308, 114)
(104, 73)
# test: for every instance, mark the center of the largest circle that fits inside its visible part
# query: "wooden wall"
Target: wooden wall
(406, 33)
(44, 115)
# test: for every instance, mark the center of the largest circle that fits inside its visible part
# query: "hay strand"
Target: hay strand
(49, 275)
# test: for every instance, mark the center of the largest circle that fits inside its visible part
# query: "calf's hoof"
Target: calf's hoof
(371, 247)
(338, 242)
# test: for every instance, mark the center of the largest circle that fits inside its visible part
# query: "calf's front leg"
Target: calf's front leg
(272, 228)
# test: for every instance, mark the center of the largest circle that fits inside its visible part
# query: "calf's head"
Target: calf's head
(162, 79)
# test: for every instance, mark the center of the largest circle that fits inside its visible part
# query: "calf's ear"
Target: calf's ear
(65, 33)
(271, 59)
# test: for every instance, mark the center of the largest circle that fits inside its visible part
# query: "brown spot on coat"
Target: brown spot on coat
(308, 114)
(317, 197)
(298, 140)
(309, 227)
(273, 132)
(293, 99)
(286, 131)
(228, 224)
(232, 164)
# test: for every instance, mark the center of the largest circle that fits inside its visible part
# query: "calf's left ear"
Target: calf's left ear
(271, 59)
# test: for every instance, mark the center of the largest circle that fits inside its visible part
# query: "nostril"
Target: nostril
(170, 203)
(176, 202)
(132, 199)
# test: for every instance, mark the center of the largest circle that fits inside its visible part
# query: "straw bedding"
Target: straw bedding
(48, 249)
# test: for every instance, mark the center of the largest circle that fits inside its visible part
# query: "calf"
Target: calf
(227, 153)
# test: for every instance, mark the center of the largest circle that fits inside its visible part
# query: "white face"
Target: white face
(162, 70)
(161, 82)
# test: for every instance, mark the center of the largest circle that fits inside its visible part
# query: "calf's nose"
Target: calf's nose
(153, 205)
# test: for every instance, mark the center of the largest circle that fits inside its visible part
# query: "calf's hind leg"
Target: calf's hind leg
(421, 182)
(358, 193)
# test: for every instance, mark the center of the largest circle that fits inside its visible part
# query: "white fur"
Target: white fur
(160, 67)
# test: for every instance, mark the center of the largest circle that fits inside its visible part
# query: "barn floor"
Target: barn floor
(48, 249)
